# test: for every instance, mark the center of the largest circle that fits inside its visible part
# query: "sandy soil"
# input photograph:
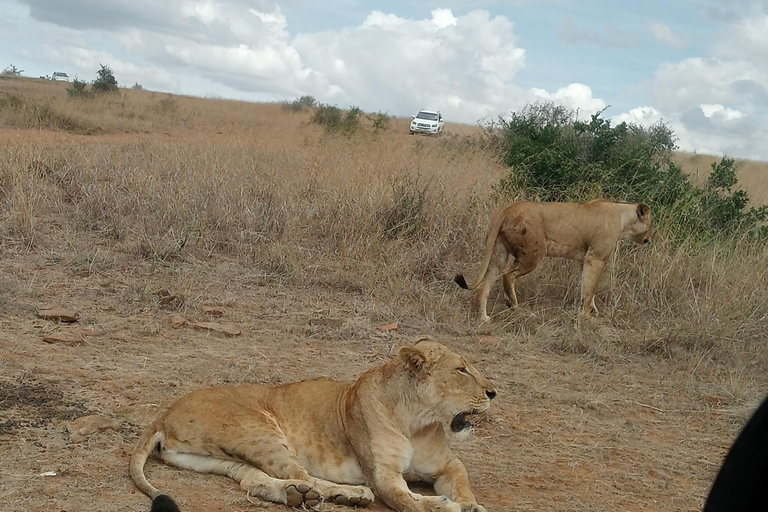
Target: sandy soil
(566, 432)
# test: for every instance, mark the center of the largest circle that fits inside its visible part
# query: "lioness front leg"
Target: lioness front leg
(453, 482)
(591, 271)
(391, 487)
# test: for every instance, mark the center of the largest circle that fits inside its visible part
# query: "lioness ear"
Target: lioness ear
(643, 210)
(415, 359)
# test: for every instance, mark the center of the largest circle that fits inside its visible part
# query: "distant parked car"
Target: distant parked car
(60, 77)
(427, 121)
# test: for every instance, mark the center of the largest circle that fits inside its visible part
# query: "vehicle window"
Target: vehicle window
(426, 115)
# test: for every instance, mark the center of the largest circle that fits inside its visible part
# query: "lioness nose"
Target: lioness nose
(491, 394)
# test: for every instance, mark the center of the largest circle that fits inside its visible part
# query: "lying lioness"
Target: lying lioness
(322, 440)
(523, 233)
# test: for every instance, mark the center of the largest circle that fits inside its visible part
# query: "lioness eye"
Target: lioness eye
(462, 371)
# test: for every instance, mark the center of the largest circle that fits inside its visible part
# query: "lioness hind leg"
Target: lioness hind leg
(509, 283)
(481, 297)
(251, 479)
(277, 471)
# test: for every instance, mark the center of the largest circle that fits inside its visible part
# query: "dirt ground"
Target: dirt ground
(566, 432)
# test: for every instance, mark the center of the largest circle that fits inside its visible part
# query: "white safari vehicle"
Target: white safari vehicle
(60, 76)
(427, 121)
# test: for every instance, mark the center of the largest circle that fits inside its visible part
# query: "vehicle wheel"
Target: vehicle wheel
(410, 132)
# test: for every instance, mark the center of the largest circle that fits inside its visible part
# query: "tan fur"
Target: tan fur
(523, 233)
(324, 440)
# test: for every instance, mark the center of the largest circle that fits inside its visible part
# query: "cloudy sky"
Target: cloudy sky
(699, 65)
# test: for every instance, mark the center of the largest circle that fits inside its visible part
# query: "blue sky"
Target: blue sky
(699, 65)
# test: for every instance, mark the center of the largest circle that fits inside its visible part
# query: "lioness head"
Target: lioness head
(640, 229)
(447, 384)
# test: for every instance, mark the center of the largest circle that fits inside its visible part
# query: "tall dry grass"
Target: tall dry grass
(386, 215)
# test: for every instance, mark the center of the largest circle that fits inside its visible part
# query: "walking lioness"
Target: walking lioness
(523, 233)
(321, 440)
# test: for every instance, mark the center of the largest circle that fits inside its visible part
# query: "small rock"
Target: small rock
(389, 327)
(82, 428)
(489, 340)
(58, 313)
(177, 321)
(226, 328)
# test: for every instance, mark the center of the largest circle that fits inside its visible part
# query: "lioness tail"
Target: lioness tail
(461, 281)
(150, 439)
(164, 503)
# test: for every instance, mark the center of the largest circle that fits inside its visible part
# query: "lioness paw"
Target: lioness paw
(301, 494)
(351, 496)
(472, 508)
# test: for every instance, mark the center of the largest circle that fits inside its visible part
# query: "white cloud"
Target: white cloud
(643, 116)
(574, 96)
(720, 111)
(663, 34)
(443, 18)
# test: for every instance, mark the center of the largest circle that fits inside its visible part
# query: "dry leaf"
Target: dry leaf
(389, 327)
(226, 328)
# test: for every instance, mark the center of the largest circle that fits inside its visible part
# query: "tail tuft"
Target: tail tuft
(164, 503)
(461, 281)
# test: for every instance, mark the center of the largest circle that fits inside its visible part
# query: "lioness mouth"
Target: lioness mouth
(461, 421)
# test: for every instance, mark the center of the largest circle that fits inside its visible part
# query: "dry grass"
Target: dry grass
(261, 212)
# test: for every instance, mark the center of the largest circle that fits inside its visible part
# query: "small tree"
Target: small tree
(105, 81)
(726, 208)
(77, 89)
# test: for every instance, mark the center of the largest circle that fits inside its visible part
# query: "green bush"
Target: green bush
(333, 119)
(380, 122)
(554, 156)
(77, 89)
(105, 80)
(300, 104)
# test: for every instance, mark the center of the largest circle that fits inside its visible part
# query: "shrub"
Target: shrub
(557, 157)
(718, 209)
(77, 89)
(300, 104)
(336, 120)
(105, 80)
(380, 122)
